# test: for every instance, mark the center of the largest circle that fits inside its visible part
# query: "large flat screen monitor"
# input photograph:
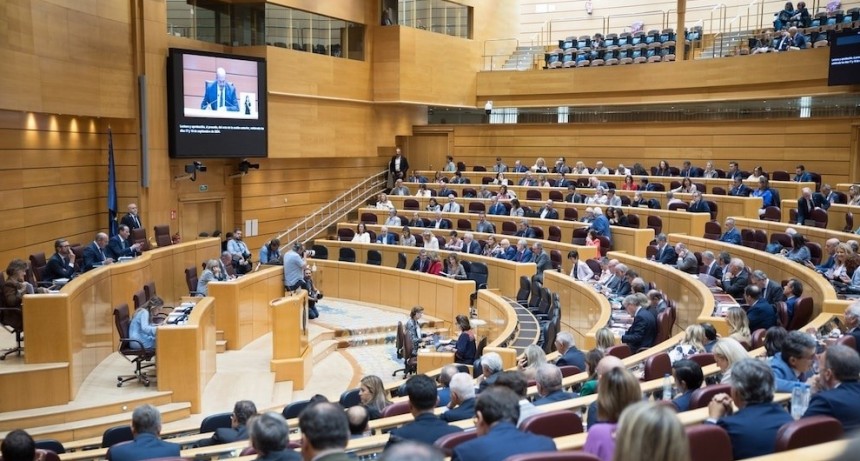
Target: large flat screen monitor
(216, 105)
(844, 58)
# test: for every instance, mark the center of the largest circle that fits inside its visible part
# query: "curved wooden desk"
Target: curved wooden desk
(76, 325)
(242, 305)
(776, 267)
(835, 214)
(812, 234)
(583, 310)
(441, 297)
(633, 241)
(502, 274)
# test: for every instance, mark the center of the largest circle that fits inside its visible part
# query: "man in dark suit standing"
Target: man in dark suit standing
(220, 94)
(496, 414)
(805, 205)
(94, 253)
(120, 247)
(761, 314)
(753, 428)
(548, 380)
(426, 427)
(665, 253)
(548, 211)
(131, 219)
(146, 427)
(462, 404)
(643, 331)
(569, 354)
(398, 166)
(839, 395)
(62, 264)
(243, 410)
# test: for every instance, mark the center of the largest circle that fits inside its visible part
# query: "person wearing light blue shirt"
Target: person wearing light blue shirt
(141, 330)
(601, 224)
(793, 363)
(293, 268)
(269, 252)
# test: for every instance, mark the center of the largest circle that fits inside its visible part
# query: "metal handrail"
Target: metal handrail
(336, 210)
(491, 56)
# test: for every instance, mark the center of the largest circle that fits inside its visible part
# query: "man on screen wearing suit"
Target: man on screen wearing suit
(146, 427)
(62, 263)
(643, 331)
(131, 219)
(220, 94)
(119, 246)
(94, 253)
(839, 395)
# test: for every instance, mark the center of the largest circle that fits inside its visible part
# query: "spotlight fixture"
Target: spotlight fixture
(191, 171)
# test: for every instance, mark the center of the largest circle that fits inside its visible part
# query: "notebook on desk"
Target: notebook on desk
(709, 281)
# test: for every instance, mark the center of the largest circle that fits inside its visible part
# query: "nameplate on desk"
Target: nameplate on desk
(123, 259)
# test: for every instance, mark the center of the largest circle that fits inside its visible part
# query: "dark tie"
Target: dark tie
(136, 222)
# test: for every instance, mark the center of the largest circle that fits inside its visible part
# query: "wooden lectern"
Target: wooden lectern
(292, 358)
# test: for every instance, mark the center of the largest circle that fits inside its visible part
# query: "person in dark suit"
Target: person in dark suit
(839, 395)
(426, 427)
(711, 267)
(548, 380)
(643, 331)
(497, 208)
(398, 166)
(752, 429)
(761, 313)
(422, 262)
(665, 253)
(568, 352)
(852, 323)
(385, 237)
(470, 245)
(18, 445)
(62, 264)
(220, 94)
(439, 222)
(462, 404)
(698, 205)
(146, 427)
(572, 196)
(496, 413)
(131, 219)
(509, 252)
(824, 198)
(325, 433)
(548, 211)
(731, 235)
(687, 261)
(525, 231)
(94, 253)
(523, 254)
(771, 291)
(119, 245)
(736, 277)
(243, 410)
(739, 189)
(417, 221)
(805, 205)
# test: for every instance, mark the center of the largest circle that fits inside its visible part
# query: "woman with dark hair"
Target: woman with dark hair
(686, 187)
(688, 377)
(16, 285)
(413, 327)
(799, 253)
(433, 205)
(592, 358)
(629, 184)
(773, 339)
(465, 349)
(620, 218)
(517, 209)
(663, 169)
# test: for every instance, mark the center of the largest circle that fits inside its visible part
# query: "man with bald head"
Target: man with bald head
(94, 253)
(220, 94)
(132, 219)
(605, 364)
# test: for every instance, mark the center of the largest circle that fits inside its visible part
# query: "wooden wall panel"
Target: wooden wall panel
(823, 145)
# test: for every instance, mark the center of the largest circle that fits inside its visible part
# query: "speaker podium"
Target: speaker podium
(292, 358)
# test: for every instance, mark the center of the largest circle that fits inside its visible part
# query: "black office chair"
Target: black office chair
(347, 255)
(293, 409)
(50, 444)
(116, 434)
(401, 260)
(374, 257)
(137, 356)
(216, 421)
(320, 252)
(350, 398)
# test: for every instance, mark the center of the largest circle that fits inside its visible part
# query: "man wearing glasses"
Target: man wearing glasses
(62, 263)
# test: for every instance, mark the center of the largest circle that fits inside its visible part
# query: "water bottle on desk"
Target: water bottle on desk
(799, 400)
(667, 387)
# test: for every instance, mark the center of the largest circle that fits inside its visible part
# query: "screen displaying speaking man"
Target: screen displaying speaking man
(220, 94)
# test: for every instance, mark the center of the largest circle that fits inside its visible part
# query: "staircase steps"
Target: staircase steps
(523, 58)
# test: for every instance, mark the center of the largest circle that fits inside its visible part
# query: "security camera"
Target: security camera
(245, 166)
(200, 167)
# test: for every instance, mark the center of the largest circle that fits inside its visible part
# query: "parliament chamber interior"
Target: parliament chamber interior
(214, 202)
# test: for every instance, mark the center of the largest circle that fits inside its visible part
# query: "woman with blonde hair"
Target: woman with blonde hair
(648, 431)
(616, 390)
(739, 325)
(531, 359)
(211, 272)
(727, 352)
(605, 339)
(372, 396)
(693, 343)
(540, 166)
